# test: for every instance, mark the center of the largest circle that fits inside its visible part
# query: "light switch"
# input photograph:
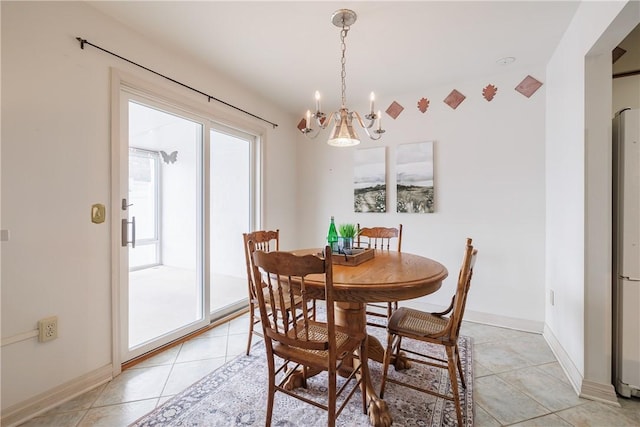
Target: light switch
(4, 235)
(98, 213)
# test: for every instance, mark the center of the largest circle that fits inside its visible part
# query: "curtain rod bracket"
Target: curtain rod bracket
(209, 97)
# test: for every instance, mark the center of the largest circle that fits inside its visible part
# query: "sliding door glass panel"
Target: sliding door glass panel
(166, 280)
(231, 214)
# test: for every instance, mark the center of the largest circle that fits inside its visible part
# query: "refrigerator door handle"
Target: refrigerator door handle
(631, 279)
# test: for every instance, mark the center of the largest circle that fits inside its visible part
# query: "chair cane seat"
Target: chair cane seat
(318, 331)
(414, 322)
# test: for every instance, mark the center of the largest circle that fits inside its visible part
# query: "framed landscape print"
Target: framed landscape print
(414, 177)
(369, 180)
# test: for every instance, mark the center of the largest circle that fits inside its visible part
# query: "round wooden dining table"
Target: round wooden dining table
(388, 276)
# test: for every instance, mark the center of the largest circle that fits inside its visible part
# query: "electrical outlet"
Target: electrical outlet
(48, 329)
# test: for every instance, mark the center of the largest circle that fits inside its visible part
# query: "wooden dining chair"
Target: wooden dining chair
(305, 345)
(442, 328)
(264, 240)
(380, 238)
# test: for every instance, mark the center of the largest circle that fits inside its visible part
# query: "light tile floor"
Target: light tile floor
(518, 382)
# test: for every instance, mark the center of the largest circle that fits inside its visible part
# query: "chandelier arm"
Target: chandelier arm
(320, 116)
(371, 119)
(378, 132)
(307, 133)
(359, 118)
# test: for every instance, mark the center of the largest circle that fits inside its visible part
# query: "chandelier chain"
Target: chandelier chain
(343, 61)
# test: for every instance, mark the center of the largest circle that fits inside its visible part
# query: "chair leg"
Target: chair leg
(364, 373)
(457, 354)
(251, 325)
(331, 407)
(271, 392)
(397, 365)
(453, 378)
(385, 366)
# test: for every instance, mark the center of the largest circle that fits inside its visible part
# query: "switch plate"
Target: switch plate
(98, 213)
(4, 235)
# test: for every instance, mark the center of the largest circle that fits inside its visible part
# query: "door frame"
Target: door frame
(210, 113)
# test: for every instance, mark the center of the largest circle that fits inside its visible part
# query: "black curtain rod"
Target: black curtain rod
(627, 74)
(209, 97)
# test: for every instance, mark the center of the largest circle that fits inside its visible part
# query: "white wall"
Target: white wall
(578, 246)
(56, 163)
(489, 185)
(626, 93)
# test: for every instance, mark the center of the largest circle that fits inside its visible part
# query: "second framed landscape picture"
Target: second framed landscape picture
(414, 177)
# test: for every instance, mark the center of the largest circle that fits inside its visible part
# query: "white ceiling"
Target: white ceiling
(287, 50)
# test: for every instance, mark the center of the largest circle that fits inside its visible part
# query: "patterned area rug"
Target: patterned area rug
(235, 395)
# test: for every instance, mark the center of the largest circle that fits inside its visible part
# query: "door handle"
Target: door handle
(125, 205)
(125, 232)
(630, 279)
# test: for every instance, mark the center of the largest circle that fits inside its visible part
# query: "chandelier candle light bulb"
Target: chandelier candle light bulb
(372, 98)
(343, 134)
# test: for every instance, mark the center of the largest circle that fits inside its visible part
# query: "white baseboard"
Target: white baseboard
(570, 370)
(17, 414)
(605, 393)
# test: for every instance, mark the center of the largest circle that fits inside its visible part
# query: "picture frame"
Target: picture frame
(414, 178)
(369, 180)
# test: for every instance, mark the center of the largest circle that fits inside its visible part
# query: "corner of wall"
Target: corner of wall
(586, 389)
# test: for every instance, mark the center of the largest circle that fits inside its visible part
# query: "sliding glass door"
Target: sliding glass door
(188, 189)
(163, 231)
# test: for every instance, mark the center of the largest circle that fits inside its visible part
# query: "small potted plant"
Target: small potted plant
(348, 232)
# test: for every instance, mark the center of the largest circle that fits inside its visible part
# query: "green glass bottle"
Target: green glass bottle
(332, 237)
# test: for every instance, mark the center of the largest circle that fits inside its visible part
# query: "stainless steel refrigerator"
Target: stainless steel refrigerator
(626, 252)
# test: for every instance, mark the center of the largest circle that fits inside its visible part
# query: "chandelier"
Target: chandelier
(343, 134)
